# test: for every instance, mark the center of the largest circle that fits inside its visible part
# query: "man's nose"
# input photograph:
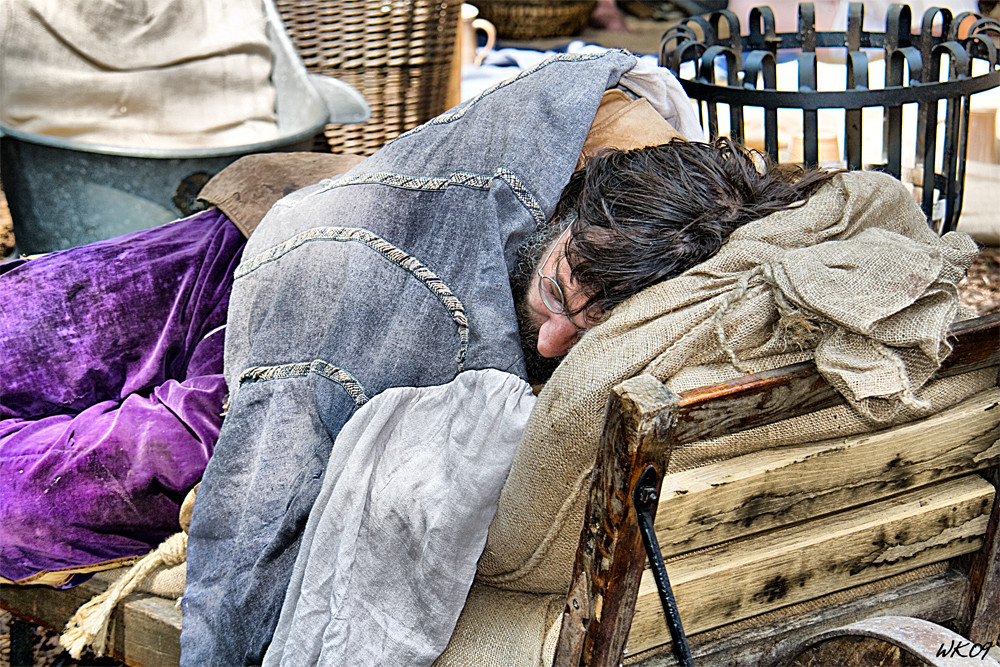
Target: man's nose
(556, 336)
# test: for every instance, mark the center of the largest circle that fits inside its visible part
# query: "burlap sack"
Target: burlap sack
(855, 274)
(168, 580)
(500, 628)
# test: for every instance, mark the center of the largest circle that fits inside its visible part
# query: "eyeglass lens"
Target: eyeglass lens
(552, 295)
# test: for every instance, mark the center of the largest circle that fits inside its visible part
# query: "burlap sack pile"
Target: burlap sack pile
(166, 74)
(855, 274)
(855, 277)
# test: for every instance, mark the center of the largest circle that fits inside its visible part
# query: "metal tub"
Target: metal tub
(64, 193)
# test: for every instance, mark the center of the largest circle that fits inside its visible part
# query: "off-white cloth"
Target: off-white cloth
(138, 73)
(664, 92)
(390, 548)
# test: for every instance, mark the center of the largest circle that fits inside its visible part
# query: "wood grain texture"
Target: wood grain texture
(980, 616)
(770, 570)
(145, 630)
(150, 631)
(610, 557)
(771, 488)
(775, 637)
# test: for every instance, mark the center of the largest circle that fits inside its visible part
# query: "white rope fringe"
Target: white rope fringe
(89, 626)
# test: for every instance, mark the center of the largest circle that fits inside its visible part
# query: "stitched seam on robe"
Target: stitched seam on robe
(406, 261)
(459, 178)
(302, 369)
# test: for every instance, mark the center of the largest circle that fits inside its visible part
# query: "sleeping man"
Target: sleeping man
(374, 360)
(374, 310)
(374, 364)
(626, 222)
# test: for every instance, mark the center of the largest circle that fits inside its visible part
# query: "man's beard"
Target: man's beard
(540, 368)
(523, 279)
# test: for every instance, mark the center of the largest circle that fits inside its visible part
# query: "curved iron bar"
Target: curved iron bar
(706, 73)
(956, 129)
(914, 73)
(791, 99)
(766, 63)
(763, 32)
(734, 40)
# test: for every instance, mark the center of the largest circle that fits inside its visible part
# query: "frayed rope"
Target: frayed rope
(89, 626)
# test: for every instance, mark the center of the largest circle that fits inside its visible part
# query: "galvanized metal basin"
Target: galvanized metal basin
(64, 193)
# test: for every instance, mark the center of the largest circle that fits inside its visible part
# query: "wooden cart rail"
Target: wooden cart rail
(646, 422)
(145, 630)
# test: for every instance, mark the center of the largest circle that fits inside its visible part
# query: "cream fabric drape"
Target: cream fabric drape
(165, 74)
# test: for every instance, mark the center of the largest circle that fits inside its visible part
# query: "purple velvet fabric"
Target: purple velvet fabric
(111, 391)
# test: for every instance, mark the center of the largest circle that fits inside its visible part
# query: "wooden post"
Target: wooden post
(454, 95)
(979, 616)
(610, 558)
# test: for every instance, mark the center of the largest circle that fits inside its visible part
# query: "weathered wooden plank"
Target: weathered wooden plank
(763, 490)
(609, 560)
(701, 413)
(774, 569)
(49, 607)
(152, 631)
(774, 637)
(145, 630)
(980, 618)
(770, 396)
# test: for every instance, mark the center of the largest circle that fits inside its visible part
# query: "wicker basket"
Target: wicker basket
(535, 19)
(398, 53)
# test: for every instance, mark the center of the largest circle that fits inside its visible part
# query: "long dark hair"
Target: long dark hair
(646, 215)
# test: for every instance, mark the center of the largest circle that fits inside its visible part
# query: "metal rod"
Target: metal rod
(644, 498)
(22, 643)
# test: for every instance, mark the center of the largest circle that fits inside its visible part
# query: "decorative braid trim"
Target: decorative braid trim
(465, 179)
(458, 178)
(562, 57)
(317, 367)
(522, 193)
(390, 252)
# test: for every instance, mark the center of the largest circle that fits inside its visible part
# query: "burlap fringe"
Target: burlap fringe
(89, 626)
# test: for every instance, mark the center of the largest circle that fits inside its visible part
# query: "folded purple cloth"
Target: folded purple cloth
(111, 393)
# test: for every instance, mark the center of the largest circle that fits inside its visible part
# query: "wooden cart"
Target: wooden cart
(766, 552)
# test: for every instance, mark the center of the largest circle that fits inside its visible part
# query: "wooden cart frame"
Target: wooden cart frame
(645, 421)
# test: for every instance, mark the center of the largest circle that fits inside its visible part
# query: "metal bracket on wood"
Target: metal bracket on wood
(644, 498)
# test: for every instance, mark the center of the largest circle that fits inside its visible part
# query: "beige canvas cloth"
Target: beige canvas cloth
(855, 274)
(165, 74)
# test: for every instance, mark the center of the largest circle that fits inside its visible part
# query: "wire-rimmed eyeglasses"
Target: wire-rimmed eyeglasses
(551, 292)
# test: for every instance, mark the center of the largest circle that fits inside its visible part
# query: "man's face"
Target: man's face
(553, 294)
(551, 333)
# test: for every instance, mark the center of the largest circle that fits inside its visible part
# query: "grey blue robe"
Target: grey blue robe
(393, 275)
